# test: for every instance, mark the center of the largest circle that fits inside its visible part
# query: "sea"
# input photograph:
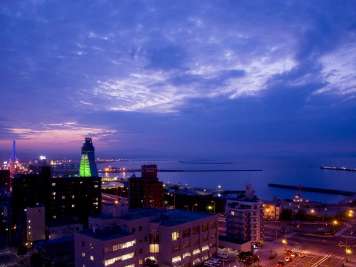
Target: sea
(290, 171)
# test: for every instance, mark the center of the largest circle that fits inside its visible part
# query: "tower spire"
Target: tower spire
(13, 157)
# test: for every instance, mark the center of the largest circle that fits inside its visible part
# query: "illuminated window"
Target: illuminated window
(124, 245)
(92, 258)
(175, 235)
(187, 254)
(83, 254)
(154, 248)
(205, 248)
(176, 259)
(130, 265)
(196, 251)
(120, 258)
(196, 261)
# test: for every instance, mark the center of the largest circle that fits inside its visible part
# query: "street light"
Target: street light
(284, 241)
(350, 213)
(335, 222)
(348, 251)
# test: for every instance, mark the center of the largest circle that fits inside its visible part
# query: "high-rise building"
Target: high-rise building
(73, 199)
(146, 191)
(87, 162)
(244, 218)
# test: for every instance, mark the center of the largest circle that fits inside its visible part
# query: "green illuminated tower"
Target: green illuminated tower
(87, 162)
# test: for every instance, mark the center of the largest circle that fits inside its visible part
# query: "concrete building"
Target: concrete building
(244, 218)
(105, 247)
(165, 237)
(146, 191)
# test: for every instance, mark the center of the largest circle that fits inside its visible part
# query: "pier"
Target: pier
(313, 189)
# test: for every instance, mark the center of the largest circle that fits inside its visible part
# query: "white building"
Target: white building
(167, 237)
(105, 247)
(244, 220)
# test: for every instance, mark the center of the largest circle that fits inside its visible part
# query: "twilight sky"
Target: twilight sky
(178, 78)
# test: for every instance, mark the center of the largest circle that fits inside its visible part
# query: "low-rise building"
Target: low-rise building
(105, 247)
(166, 237)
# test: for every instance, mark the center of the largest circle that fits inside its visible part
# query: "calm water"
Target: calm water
(305, 172)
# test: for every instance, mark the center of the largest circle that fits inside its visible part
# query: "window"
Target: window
(124, 245)
(83, 254)
(186, 232)
(205, 227)
(196, 261)
(175, 235)
(120, 258)
(92, 258)
(196, 251)
(196, 229)
(176, 259)
(205, 248)
(154, 248)
(187, 254)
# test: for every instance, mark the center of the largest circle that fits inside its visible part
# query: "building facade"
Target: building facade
(163, 237)
(244, 220)
(146, 191)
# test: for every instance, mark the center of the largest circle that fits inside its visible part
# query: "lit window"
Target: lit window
(187, 254)
(53, 184)
(196, 261)
(176, 259)
(205, 248)
(83, 254)
(154, 248)
(120, 258)
(92, 258)
(130, 265)
(73, 205)
(54, 193)
(124, 245)
(175, 235)
(196, 251)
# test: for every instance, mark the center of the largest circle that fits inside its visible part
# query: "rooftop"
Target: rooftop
(165, 217)
(108, 233)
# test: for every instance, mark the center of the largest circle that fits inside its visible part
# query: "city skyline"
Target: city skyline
(178, 79)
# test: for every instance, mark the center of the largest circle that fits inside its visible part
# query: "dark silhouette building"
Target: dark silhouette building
(73, 199)
(146, 191)
(5, 181)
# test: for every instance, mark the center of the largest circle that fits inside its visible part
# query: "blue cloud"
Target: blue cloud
(229, 68)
